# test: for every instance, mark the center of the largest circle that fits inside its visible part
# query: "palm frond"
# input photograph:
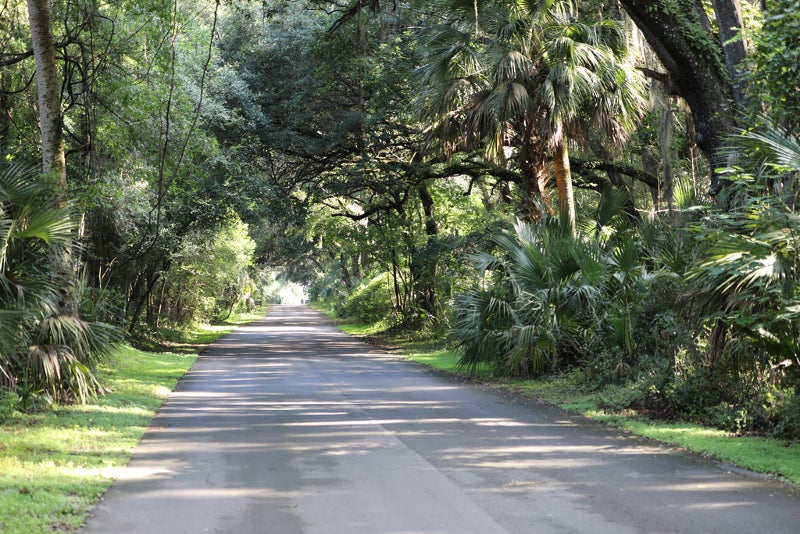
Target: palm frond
(484, 262)
(611, 208)
(58, 372)
(508, 65)
(626, 256)
(777, 145)
(480, 320)
(531, 350)
(19, 181)
(40, 346)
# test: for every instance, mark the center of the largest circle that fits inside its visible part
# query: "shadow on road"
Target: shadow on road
(288, 425)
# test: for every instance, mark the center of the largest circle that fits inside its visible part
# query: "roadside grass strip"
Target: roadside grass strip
(762, 455)
(54, 465)
(779, 458)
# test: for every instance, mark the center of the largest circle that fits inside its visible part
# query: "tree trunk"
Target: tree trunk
(346, 279)
(54, 165)
(650, 166)
(566, 196)
(6, 110)
(533, 184)
(424, 260)
(665, 134)
(49, 95)
(729, 22)
(398, 304)
(678, 33)
(149, 285)
(431, 228)
(161, 302)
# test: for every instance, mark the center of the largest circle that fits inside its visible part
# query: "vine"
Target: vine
(691, 30)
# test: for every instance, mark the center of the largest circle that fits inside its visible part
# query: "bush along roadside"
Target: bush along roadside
(56, 461)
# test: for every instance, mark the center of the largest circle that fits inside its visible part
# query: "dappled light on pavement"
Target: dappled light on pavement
(288, 425)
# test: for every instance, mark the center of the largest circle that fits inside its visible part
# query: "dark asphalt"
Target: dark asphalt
(289, 426)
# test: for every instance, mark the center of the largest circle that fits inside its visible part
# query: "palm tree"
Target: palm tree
(534, 76)
(746, 284)
(549, 284)
(587, 86)
(42, 349)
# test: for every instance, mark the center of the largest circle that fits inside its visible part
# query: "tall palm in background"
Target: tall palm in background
(531, 76)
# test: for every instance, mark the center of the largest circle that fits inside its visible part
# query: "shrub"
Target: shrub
(370, 302)
(43, 347)
(786, 417)
(8, 404)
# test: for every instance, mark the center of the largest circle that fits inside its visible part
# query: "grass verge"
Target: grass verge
(775, 457)
(54, 465)
(769, 456)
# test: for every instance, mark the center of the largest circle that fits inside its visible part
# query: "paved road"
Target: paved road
(289, 426)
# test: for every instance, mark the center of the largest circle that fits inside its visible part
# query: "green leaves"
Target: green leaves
(748, 278)
(40, 348)
(777, 62)
(537, 76)
(548, 287)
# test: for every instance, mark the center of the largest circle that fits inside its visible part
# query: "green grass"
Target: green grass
(763, 455)
(442, 359)
(354, 329)
(54, 465)
(423, 348)
(186, 339)
(361, 329)
(769, 456)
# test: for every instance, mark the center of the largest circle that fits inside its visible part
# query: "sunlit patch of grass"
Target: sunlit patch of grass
(361, 330)
(431, 351)
(562, 390)
(55, 465)
(762, 455)
(352, 328)
(442, 359)
(777, 457)
(191, 339)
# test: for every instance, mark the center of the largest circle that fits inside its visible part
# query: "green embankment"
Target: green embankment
(55, 464)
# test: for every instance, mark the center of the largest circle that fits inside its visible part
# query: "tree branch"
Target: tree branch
(12, 59)
(588, 166)
(666, 80)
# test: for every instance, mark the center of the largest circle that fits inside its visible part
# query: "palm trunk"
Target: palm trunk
(533, 186)
(566, 196)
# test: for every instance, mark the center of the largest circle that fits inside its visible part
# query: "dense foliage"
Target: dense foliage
(43, 351)
(526, 178)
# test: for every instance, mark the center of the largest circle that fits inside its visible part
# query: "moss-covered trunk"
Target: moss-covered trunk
(680, 34)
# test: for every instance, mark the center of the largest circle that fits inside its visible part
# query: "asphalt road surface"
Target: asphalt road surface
(289, 426)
